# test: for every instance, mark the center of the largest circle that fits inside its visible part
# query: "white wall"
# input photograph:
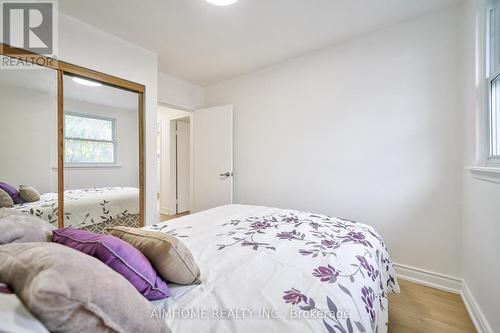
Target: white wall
(86, 46)
(178, 93)
(481, 199)
(481, 246)
(368, 129)
(28, 136)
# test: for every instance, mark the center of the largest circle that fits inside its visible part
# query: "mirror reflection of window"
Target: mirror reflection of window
(101, 155)
(89, 139)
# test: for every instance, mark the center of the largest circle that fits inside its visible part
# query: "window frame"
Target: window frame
(491, 74)
(114, 140)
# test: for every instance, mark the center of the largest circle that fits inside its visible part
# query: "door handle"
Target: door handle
(226, 174)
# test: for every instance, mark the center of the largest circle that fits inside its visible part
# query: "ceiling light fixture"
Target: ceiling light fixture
(86, 82)
(221, 2)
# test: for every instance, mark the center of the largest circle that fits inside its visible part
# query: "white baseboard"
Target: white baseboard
(428, 278)
(475, 312)
(447, 283)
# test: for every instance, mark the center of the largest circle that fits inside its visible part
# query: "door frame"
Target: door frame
(173, 163)
(163, 124)
(191, 115)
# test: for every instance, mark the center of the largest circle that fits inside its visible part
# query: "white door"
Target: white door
(212, 157)
(183, 169)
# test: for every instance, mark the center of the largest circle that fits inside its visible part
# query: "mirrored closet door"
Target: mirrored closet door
(28, 141)
(101, 155)
(71, 144)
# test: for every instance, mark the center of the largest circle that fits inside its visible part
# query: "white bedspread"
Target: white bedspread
(273, 270)
(15, 318)
(86, 206)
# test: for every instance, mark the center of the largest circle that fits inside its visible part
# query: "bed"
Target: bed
(94, 209)
(274, 270)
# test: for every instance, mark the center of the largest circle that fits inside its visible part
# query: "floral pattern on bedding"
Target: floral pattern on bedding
(86, 207)
(337, 271)
(178, 232)
(364, 281)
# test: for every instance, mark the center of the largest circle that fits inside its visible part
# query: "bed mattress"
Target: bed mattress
(86, 207)
(277, 270)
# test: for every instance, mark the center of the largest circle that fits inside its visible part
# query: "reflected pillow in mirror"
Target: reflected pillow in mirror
(24, 229)
(13, 192)
(5, 199)
(29, 194)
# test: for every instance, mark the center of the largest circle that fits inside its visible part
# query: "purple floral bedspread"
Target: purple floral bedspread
(322, 274)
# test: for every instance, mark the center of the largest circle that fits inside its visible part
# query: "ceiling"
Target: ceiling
(169, 112)
(103, 95)
(44, 80)
(206, 44)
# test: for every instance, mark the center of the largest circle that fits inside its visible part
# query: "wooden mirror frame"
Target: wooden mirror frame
(63, 68)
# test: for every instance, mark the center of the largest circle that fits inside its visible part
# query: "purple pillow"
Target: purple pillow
(13, 192)
(119, 255)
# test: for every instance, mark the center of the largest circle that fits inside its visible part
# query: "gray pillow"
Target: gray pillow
(69, 291)
(23, 229)
(5, 199)
(29, 194)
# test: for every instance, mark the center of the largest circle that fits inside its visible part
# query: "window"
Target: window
(89, 139)
(493, 79)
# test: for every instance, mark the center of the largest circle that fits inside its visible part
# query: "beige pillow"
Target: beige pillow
(29, 194)
(24, 229)
(69, 291)
(169, 256)
(5, 199)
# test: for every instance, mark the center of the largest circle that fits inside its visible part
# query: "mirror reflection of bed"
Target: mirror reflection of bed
(101, 163)
(101, 173)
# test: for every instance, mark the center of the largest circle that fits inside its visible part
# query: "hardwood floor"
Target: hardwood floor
(422, 309)
(170, 217)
